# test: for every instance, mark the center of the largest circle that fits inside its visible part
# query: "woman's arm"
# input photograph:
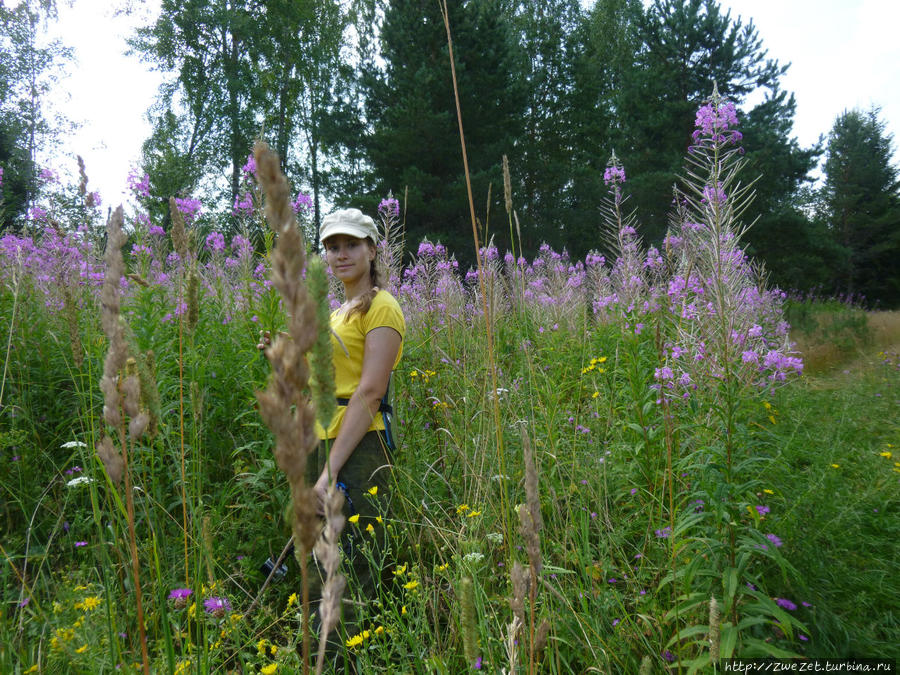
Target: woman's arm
(381, 348)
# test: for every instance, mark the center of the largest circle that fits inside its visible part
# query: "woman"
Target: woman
(367, 339)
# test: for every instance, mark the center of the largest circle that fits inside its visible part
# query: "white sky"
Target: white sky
(843, 54)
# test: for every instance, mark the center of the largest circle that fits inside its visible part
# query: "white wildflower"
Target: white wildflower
(79, 481)
(473, 557)
(73, 444)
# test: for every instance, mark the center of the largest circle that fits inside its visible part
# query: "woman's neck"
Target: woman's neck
(355, 290)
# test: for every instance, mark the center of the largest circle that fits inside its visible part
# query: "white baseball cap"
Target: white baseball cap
(352, 222)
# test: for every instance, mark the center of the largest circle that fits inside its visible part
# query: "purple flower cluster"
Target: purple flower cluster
(302, 204)
(243, 205)
(389, 208)
(614, 175)
(139, 184)
(189, 208)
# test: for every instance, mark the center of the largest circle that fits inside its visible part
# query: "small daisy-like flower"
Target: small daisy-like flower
(355, 641)
(403, 610)
(354, 518)
(443, 568)
(269, 669)
(400, 570)
(379, 630)
(378, 519)
(370, 529)
(373, 490)
(768, 491)
(462, 508)
(81, 650)
(411, 585)
(886, 454)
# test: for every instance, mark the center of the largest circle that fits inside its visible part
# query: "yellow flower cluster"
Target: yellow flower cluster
(270, 669)
(424, 375)
(359, 638)
(594, 365)
(266, 648)
(89, 603)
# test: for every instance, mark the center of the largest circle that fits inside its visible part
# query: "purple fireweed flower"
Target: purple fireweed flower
(762, 509)
(389, 208)
(189, 208)
(157, 231)
(477, 665)
(249, 168)
(243, 205)
(787, 604)
(48, 176)
(774, 539)
(215, 242)
(614, 174)
(668, 656)
(139, 184)
(302, 204)
(217, 606)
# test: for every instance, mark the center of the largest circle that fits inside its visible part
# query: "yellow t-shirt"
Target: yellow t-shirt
(384, 311)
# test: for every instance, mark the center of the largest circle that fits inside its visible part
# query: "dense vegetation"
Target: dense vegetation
(612, 464)
(356, 97)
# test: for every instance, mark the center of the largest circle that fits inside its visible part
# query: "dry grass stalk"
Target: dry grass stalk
(285, 406)
(121, 397)
(512, 651)
(714, 617)
(179, 232)
(328, 553)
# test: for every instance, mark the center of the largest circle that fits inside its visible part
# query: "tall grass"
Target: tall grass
(671, 488)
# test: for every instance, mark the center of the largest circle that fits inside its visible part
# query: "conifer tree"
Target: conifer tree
(862, 202)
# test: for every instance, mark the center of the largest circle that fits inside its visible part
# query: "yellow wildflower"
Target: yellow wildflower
(767, 405)
(413, 373)
(33, 669)
(373, 490)
(292, 599)
(379, 630)
(81, 650)
(886, 454)
(400, 570)
(772, 419)
(91, 602)
(596, 394)
(768, 491)
(410, 585)
(354, 518)
(462, 508)
(472, 514)
(261, 647)
(378, 519)
(443, 568)
(370, 529)
(835, 466)
(269, 669)
(182, 667)
(80, 588)
(403, 610)
(355, 641)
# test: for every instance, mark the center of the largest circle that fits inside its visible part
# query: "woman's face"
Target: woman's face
(348, 257)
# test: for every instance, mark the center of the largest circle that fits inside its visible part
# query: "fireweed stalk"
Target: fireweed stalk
(285, 406)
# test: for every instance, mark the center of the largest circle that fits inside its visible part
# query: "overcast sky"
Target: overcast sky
(843, 54)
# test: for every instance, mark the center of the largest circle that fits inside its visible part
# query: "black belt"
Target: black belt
(383, 407)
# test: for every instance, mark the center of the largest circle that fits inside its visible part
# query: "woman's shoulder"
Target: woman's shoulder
(385, 298)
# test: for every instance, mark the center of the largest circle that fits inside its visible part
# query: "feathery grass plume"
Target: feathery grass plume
(150, 401)
(512, 644)
(714, 618)
(530, 515)
(328, 553)
(179, 232)
(468, 619)
(540, 640)
(646, 666)
(110, 303)
(111, 458)
(519, 577)
(321, 357)
(285, 406)
(507, 186)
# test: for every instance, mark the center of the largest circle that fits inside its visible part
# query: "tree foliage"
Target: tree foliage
(861, 198)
